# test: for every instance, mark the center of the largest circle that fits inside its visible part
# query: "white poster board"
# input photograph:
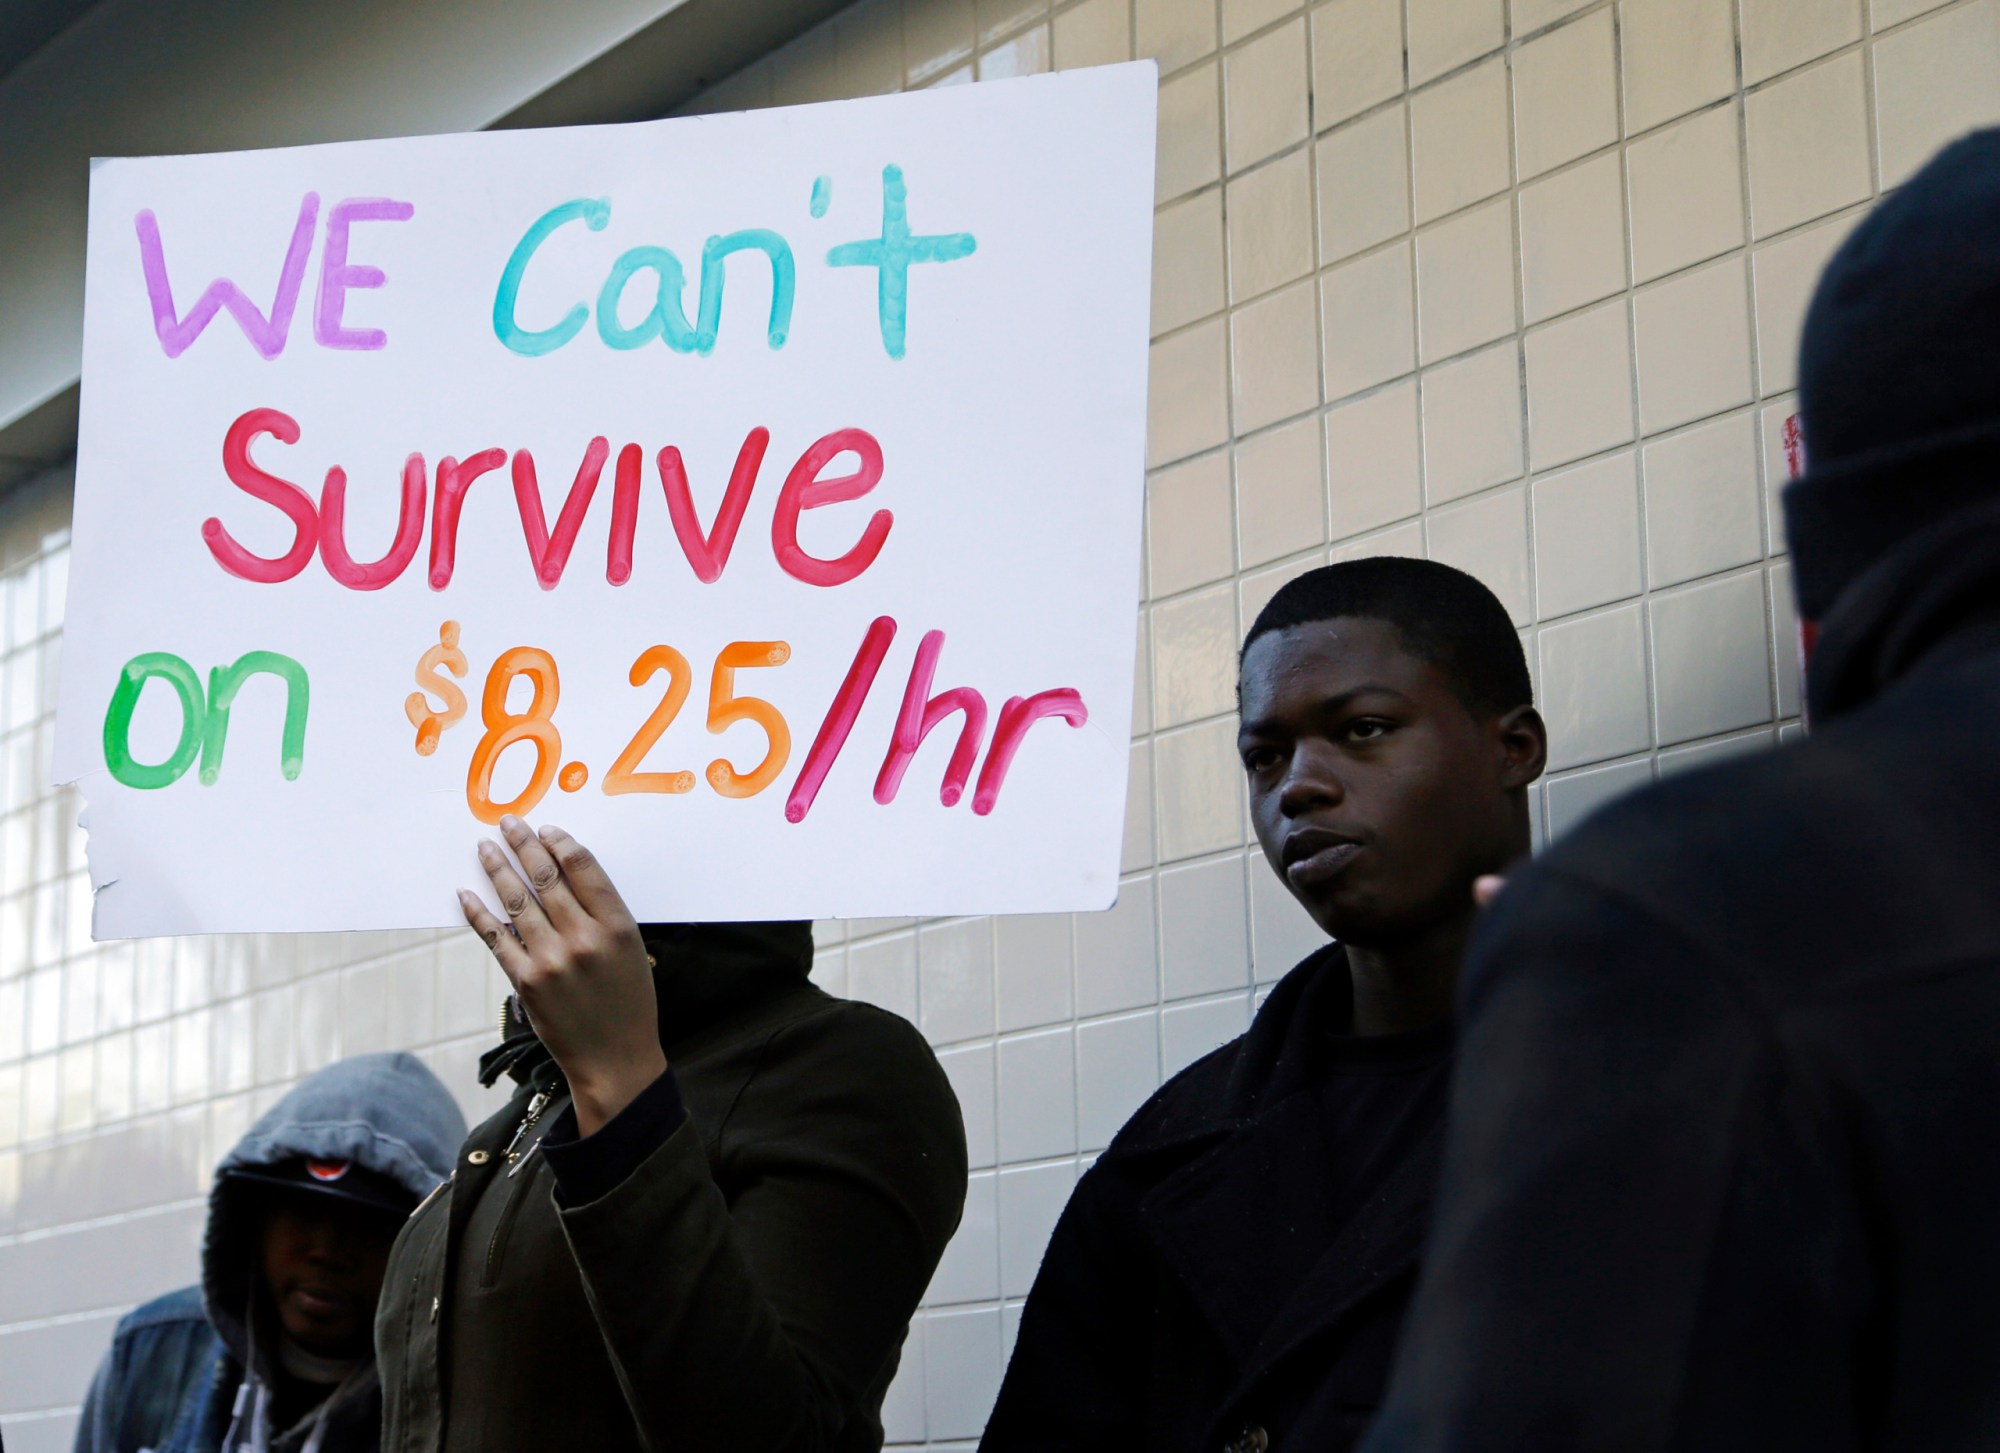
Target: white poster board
(739, 438)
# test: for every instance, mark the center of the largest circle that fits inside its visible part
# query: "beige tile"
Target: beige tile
(1782, 455)
(1142, 678)
(1711, 658)
(1136, 851)
(1786, 272)
(1190, 123)
(1465, 281)
(1575, 796)
(1445, 34)
(1247, 17)
(1579, 386)
(1565, 94)
(1364, 184)
(1274, 357)
(1254, 590)
(1270, 213)
(996, 18)
(1174, 32)
(1693, 336)
(1933, 83)
(1472, 423)
(1572, 238)
(1266, 86)
(1198, 790)
(1678, 55)
(1187, 261)
(1459, 132)
(1280, 493)
(1702, 508)
(1787, 653)
(1194, 657)
(1372, 461)
(1095, 33)
(1808, 146)
(1487, 538)
(1885, 13)
(1188, 510)
(1187, 404)
(1357, 57)
(1593, 687)
(1587, 536)
(1781, 34)
(1533, 15)
(868, 48)
(1687, 193)
(1367, 313)
(1027, 54)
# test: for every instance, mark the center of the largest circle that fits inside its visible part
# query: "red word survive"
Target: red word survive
(321, 528)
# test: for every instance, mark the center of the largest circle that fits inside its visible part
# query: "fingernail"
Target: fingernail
(487, 852)
(511, 824)
(549, 832)
(465, 899)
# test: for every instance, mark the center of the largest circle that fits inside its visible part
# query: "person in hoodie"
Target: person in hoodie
(274, 1351)
(705, 1218)
(1720, 1175)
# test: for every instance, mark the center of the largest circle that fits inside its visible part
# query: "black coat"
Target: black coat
(1194, 1295)
(747, 1286)
(1721, 1174)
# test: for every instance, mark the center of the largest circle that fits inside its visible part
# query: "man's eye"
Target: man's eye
(1256, 759)
(1367, 731)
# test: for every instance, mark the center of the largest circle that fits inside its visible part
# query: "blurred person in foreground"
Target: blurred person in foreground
(274, 1351)
(1721, 1172)
(705, 1217)
(1231, 1273)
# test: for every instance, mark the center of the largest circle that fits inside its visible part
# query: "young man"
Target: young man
(1721, 1173)
(274, 1351)
(1233, 1270)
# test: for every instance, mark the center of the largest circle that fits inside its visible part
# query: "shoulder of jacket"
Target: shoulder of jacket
(177, 1308)
(1184, 1108)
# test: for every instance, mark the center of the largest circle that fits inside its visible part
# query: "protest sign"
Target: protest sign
(757, 496)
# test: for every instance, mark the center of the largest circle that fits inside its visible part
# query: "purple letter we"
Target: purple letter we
(267, 335)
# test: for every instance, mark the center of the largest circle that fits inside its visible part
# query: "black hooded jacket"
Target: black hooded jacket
(1720, 1174)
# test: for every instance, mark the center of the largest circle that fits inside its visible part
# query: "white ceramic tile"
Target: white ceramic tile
(1188, 266)
(970, 1069)
(1200, 790)
(1270, 226)
(1786, 272)
(1187, 402)
(937, 35)
(1711, 658)
(1687, 193)
(1572, 239)
(1142, 679)
(1136, 851)
(1579, 386)
(961, 1370)
(1118, 1066)
(1254, 591)
(1357, 57)
(1781, 34)
(1267, 105)
(1702, 510)
(997, 17)
(1465, 281)
(1565, 94)
(955, 980)
(1472, 423)
(1593, 687)
(1038, 1095)
(1203, 922)
(1708, 754)
(1116, 953)
(1587, 536)
(1190, 121)
(1367, 316)
(969, 1270)
(1372, 464)
(1174, 32)
(1576, 795)
(1246, 17)
(1885, 13)
(1530, 16)
(1786, 654)
(1459, 135)
(1487, 538)
(1031, 1201)
(1032, 969)
(1694, 345)
(1280, 492)
(1445, 34)
(1189, 1031)
(1194, 657)
(1027, 54)
(1364, 183)
(1187, 525)
(1274, 357)
(1678, 54)
(1933, 83)
(1095, 33)
(1281, 932)
(1808, 145)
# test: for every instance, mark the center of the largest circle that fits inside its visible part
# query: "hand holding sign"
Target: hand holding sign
(578, 964)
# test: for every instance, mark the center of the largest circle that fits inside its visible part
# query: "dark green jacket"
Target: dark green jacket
(748, 1286)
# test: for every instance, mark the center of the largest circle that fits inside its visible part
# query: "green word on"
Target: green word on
(204, 723)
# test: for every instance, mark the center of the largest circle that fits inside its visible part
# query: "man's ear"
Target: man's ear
(1523, 739)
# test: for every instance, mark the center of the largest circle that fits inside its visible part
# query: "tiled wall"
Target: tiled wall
(1515, 285)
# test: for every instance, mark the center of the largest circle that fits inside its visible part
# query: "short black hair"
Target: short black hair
(1446, 619)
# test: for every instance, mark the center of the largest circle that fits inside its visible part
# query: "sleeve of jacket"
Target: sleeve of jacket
(1632, 1232)
(97, 1422)
(763, 1322)
(1078, 1376)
